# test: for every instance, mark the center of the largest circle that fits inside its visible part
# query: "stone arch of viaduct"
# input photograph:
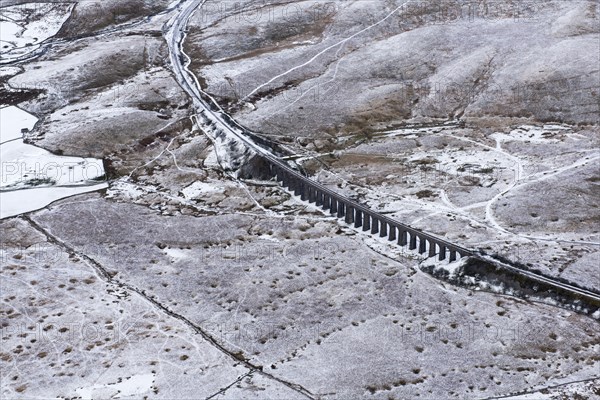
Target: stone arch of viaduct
(363, 217)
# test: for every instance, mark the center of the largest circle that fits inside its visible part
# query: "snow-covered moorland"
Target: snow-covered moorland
(183, 280)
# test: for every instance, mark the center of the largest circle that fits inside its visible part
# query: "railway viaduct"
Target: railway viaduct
(362, 217)
(580, 299)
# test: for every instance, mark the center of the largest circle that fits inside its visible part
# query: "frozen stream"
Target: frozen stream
(32, 177)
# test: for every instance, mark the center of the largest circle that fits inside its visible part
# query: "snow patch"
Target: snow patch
(198, 189)
(452, 268)
(176, 254)
(9, 71)
(133, 386)
(122, 188)
(530, 133)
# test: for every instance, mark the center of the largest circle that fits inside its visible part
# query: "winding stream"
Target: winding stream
(32, 177)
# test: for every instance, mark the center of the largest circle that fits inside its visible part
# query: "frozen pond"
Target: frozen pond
(12, 120)
(32, 177)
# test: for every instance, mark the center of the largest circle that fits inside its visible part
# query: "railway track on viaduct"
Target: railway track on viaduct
(351, 212)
